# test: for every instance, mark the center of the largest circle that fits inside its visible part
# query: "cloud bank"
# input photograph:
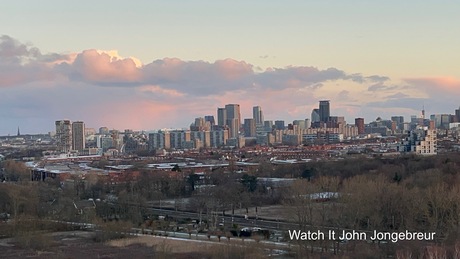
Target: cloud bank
(104, 89)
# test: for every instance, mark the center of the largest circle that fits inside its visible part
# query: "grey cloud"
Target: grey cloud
(14, 52)
(297, 77)
(21, 63)
(380, 87)
(359, 78)
(343, 95)
(398, 95)
(377, 78)
(410, 103)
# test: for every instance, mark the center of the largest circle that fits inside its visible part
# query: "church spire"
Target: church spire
(19, 133)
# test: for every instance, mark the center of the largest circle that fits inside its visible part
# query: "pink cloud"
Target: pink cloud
(231, 69)
(436, 84)
(136, 115)
(95, 66)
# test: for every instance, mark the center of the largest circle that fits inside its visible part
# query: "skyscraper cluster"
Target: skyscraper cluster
(230, 117)
(70, 136)
(320, 116)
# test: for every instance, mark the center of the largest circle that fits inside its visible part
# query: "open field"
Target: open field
(80, 244)
(74, 244)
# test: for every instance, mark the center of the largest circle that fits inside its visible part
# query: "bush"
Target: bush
(37, 242)
(112, 230)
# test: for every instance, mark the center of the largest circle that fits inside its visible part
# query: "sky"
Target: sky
(147, 65)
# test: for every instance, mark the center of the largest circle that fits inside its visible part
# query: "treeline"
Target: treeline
(420, 194)
(217, 192)
(400, 167)
(387, 194)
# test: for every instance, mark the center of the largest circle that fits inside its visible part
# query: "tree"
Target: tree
(308, 173)
(250, 182)
(300, 206)
(16, 171)
(176, 168)
(192, 179)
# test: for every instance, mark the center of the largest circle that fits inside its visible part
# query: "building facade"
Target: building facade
(257, 115)
(64, 135)
(78, 135)
(359, 123)
(221, 117)
(421, 140)
(324, 111)
(233, 119)
(249, 128)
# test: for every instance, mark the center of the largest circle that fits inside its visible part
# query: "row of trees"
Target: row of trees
(426, 201)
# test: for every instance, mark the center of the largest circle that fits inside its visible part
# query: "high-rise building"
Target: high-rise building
(249, 128)
(200, 124)
(307, 123)
(335, 121)
(64, 135)
(359, 122)
(210, 119)
(204, 138)
(159, 140)
(233, 112)
(457, 115)
(324, 111)
(268, 126)
(179, 138)
(315, 116)
(221, 117)
(233, 127)
(233, 116)
(117, 139)
(258, 115)
(300, 123)
(78, 135)
(219, 138)
(279, 124)
(441, 121)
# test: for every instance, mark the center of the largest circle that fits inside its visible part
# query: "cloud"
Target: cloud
(102, 68)
(103, 88)
(378, 79)
(14, 52)
(343, 95)
(435, 85)
(21, 63)
(197, 78)
(397, 95)
(381, 87)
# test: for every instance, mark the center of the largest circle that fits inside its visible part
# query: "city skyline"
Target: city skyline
(186, 125)
(358, 122)
(154, 65)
